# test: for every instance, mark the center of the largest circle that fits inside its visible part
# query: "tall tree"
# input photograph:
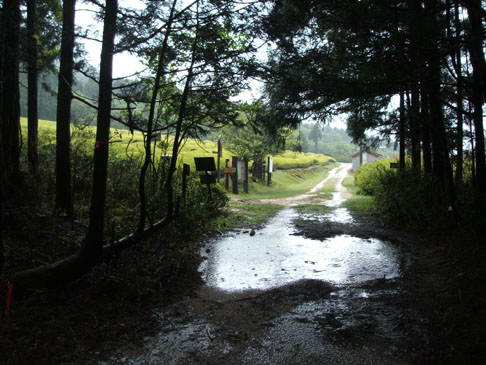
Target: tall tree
(441, 161)
(9, 106)
(315, 135)
(476, 52)
(32, 84)
(401, 131)
(151, 117)
(94, 240)
(64, 201)
(10, 109)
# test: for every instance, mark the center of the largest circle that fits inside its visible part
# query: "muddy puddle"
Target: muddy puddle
(275, 255)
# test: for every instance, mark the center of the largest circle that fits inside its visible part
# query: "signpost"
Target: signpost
(270, 170)
(245, 180)
(185, 173)
(227, 171)
(206, 164)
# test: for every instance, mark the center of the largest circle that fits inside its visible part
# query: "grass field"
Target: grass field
(122, 141)
(359, 205)
(286, 183)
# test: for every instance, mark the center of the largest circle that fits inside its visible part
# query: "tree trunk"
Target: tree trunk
(180, 119)
(153, 103)
(64, 201)
(401, 132)
(459, 98)
(10, 106)
(478, 84)
(475, 13)
(441, 162)
(94, 240)
(32, 81)
(416, 67)
(425, 128)
(415, 127)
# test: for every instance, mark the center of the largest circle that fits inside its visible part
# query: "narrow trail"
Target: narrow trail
(338, 174)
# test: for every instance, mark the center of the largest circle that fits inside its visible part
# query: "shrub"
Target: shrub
(292, 160)
(410, 199)
(367, 176)
(407, 198)
(199, 207)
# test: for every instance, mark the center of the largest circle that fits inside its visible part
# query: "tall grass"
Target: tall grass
(286, 183)
(125, 143)
(291, 160)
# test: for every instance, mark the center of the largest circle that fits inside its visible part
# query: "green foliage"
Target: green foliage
(367, 177)
(251, 138)
(405, 198)
(410, 199)
(287, 183)
(334, 142)
(199, 205)
(315, 135)
(245, 214)
(292, 160)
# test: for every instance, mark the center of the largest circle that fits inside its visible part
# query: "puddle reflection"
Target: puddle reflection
(274, 257)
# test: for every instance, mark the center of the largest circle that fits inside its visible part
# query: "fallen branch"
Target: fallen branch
(74, 267)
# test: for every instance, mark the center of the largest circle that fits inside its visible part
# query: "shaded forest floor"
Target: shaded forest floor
(152, 295)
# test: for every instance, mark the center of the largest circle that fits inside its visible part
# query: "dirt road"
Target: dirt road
(414, 317)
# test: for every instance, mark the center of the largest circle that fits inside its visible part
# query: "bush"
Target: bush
(407, 198)
(199, 208)
(292, 160)
(367, 176)
(410, 199)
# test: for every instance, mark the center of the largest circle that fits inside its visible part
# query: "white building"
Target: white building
(366, 157)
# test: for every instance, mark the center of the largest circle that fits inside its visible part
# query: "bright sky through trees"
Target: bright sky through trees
(126, 64)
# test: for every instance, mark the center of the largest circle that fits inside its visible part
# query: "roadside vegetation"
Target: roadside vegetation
(286, 183)
(197, 214)
(131, 144)
(410, 199)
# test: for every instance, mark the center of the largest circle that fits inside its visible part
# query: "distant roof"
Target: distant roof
(368, 152)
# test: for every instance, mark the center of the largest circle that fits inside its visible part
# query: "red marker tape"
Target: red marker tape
(9, 298)
(97, 144)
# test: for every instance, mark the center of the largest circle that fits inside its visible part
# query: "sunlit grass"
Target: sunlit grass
(286, 183)
(358, 205)
(125, 142)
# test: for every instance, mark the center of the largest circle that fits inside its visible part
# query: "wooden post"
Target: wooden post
(264, 167)
(185, 173)
(226, 176)
(270, 170)
(235, 175)
(206, 173)
(220, 153)
(245, 181)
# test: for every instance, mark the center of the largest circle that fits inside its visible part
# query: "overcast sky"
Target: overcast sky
(124, 64)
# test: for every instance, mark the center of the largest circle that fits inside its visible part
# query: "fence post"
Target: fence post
(186, 170)
(235, 175)
(270, 170)
(220, 153)
(226, 177)
(245, 181)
